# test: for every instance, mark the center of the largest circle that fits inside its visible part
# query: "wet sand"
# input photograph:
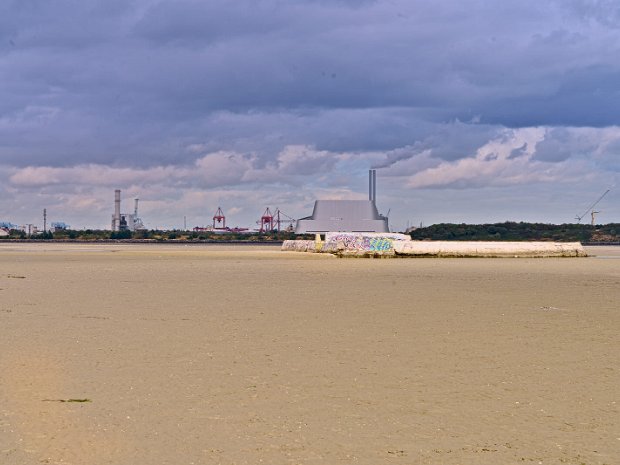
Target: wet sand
(247, 355)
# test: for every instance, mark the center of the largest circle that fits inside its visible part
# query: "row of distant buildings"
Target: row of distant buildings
(30, 229)
(327, 215)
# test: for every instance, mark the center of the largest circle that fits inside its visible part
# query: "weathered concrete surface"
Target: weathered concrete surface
(335, 236)
(358, 244)
(488, 249)
(349, 244)
(362, 244)
(299, 246)
(398, 245)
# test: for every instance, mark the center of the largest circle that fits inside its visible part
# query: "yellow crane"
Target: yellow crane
(591, 208)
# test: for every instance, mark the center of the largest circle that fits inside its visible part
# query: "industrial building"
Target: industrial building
(125, 221)
(346, 215)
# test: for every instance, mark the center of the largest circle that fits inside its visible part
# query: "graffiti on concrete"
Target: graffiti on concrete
(299, 246)
(357, 242)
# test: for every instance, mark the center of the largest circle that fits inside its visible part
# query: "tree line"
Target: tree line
(149, 236)
(513, 231)
(507, 231)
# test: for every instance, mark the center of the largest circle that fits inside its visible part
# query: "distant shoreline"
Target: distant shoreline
(209, 242)
(138, 241)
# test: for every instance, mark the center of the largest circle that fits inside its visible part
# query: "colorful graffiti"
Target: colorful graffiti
(357, 242)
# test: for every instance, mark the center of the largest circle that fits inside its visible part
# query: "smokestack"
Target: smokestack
(372, 185)
(116, 223)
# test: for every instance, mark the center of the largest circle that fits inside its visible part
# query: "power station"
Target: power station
(352, 216)
(346, 215)
(125, 221)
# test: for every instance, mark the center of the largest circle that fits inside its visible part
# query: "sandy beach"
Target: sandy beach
(158, 354)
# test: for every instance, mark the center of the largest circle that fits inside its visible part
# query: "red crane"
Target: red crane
(219, 218)
(266, 221)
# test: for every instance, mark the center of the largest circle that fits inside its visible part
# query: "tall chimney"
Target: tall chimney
(116, 226)
(372, 185)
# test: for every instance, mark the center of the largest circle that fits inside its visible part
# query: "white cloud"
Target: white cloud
(243, 185)
(304, 160)
(494, 164)
(222, 168)
(196, 148)
(92, 175)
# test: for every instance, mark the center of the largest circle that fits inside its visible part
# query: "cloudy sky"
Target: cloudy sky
(472, 110)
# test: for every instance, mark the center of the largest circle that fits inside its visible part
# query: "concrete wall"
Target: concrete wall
(488, 249)
(399, 245)
(299, 246)
(331, 236)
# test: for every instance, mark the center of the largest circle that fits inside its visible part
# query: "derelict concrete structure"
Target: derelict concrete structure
(343, 244)
(346, 215)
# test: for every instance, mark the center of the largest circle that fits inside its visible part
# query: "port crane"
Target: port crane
(219, 219)
(282, 218)
(274, 221)
(591, 208)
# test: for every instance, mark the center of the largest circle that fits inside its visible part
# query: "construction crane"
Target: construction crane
(281, 218)
(274, 221)
(591, 208)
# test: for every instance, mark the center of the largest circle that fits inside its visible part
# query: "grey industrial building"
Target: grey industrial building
(125, 221)
(346, 215)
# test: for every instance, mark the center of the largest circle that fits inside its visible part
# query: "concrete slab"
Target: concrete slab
(380, 245)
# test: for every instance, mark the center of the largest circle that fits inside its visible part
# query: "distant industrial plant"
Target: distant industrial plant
(125, 221)
(360, 216)
(328, 215)
(346, 215)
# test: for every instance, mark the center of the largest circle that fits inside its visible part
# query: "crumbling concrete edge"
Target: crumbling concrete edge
(441, 249)
(462, 249)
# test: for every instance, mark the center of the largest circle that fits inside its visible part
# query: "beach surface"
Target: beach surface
(161, 354)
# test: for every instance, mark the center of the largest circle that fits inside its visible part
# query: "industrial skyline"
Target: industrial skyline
(470, 111)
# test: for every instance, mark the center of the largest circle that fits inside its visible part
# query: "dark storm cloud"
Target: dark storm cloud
(202, 23)
(135, 83)
(561, 144)
(518, 152)
(606, 12)
(588, 96)
(447, 142)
